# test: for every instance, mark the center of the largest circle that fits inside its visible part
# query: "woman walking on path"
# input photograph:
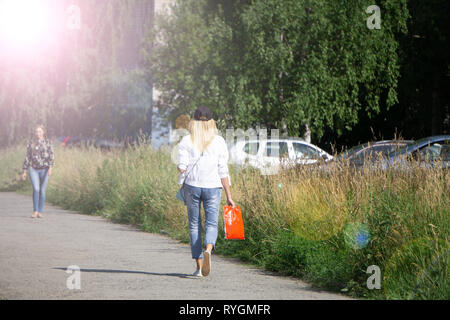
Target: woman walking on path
(39, 161)
(202, 161)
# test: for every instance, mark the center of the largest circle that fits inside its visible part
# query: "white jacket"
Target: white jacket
(210, 168)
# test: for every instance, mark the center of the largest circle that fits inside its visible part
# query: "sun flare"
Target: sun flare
(24, 24)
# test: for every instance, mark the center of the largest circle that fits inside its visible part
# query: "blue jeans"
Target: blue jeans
(211, 201)
(39, 180)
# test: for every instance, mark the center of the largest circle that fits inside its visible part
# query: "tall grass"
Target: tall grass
(325, 227)
(11, 161)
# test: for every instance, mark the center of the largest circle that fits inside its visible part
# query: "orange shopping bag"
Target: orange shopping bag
(233, 223)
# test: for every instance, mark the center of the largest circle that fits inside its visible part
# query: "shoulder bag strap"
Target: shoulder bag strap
(192, 168)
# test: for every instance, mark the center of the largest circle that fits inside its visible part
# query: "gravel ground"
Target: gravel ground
(118, 262)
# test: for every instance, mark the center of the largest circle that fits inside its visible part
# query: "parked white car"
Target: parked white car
(273, 154)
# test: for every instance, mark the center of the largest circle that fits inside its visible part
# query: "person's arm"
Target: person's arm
(27, 161)
(224, 174)
(51, 156)
(183, 157)
(226, 187)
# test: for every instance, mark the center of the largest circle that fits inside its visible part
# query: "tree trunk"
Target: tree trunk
(307, 135)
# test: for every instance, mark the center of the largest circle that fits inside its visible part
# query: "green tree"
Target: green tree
(424, 106)
(278, 64)
(90, 83)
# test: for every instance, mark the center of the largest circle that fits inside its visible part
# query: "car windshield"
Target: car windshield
(411, 146)
(350, 152)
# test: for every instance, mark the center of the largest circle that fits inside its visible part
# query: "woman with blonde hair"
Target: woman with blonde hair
(39, 161)
(202, 162)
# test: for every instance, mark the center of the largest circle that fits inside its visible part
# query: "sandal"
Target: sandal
(206, 268)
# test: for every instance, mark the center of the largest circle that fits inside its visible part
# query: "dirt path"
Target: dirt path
(117, 262)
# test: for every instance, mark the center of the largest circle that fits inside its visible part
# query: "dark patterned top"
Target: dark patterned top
(39, 157)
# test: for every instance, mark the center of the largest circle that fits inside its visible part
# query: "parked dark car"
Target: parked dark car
(432, 151)
(363, 155)
(371, 151)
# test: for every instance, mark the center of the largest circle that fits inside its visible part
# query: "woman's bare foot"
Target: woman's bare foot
(35, 214)
(40, 215)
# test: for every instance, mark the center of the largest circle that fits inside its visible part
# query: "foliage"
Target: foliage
(89, 83)
(279, 64)
(423, 107)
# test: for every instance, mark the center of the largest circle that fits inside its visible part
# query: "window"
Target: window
(374, 153)
(445, 152)
(305, 152)
(430, 153)
(251, 148)
(277, 149)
